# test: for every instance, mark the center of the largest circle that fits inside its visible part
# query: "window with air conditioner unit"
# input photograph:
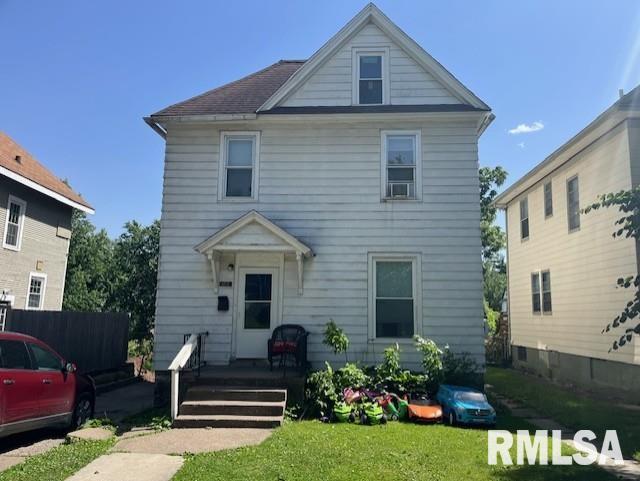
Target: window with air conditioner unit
(401, 165)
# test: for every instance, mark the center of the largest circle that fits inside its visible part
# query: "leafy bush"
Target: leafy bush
(350, 376)
(492, 318)
(461, 369)
(160, 423)
(431, 362)
(320, 392)
(335, 338)
(392, 378)
(390, 366)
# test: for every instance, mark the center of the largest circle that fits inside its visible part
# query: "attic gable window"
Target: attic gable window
(239, 155)
(370, 85)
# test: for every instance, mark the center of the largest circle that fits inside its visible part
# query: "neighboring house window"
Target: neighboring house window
(14, 223)
(546, 291)
(524, 219)
(239, 165)
(37, 286)
(548, 200)
(401, 165)
(573, 203)
(535, 292)
(370, 67)
(522, 353)
(394, 294)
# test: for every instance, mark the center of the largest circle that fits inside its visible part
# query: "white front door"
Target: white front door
(257, 310)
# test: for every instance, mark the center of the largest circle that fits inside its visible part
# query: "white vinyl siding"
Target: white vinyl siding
(36, 292)
(584, 264)
(14, 223)
(239, 167)
(321, 182)
(401, 165)
(333, 83)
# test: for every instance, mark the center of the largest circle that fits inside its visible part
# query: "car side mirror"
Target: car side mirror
(70, 367)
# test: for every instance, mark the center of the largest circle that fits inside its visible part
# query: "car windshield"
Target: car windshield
(471, 396)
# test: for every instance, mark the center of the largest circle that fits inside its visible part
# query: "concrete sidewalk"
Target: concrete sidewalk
(130, 467)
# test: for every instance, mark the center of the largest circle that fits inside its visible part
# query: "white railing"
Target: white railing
(192, 347)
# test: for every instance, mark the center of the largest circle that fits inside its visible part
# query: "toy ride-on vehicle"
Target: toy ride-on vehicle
(424, 410)
(343, 413)
(372, 414)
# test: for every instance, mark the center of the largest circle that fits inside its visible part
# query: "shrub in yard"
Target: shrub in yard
(392, 378)
(431, 362)
(461, 369)
(336, 339)
(350, 376)
(320, 392)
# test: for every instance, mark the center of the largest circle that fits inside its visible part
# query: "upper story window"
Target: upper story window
(524, 219)
(395, 291)
(14, 223)
(573, 203)
(370, 76)
(548, 200)
(239, 156)
(35, 296)
(401, 165)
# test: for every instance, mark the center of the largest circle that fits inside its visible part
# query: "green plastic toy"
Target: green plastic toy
(343, 413)
(372, 414)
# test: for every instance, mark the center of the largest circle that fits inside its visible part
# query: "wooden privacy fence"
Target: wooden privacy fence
(94, 341)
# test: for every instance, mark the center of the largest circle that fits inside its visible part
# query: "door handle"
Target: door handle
(8, 381)
(46, 381)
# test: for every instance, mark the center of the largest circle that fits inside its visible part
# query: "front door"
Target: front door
(257, 311)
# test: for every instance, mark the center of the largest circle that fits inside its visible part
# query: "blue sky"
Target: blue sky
(77, 77)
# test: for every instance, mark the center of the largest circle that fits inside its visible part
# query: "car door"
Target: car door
(19, 384)
(58, 386)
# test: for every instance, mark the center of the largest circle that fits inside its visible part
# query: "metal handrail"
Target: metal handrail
(190, 354)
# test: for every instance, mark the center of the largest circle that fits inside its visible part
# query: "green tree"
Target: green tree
(493, 238)
(135, 273)
(88, 280)
(628, 226)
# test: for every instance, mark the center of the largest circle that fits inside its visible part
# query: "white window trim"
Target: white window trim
(356, 53)
(23, 209)
(383, 165)
(222, 171)
(42, 294)
(416, 260)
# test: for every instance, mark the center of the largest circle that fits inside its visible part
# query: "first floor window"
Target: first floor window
(535, 292)
(546, 291)
(401, 165)
(239, 160)
(524, 219)
(35, 297)
(14, 223)
(394, 297)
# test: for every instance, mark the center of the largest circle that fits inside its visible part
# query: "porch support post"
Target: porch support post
(215, 264)
(300, 267)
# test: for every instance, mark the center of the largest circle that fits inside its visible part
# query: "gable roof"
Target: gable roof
(241, 96)
(19, 165)
(373, 14)
(216, 240)
(625, 107)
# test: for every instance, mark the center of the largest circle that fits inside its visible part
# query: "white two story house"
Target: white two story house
(340, 187)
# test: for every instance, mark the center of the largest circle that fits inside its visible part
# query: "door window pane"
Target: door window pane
(14, 355)
(257, 304)
(394, 299)
(45, 359)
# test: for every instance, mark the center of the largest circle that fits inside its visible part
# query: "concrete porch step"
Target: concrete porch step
(227, 421)
(234, 408)
(206, 392)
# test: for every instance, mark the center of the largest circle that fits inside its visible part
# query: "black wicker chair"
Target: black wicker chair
(288, 341)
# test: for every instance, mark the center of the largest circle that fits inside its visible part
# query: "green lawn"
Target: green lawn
(310, 450)
(58, 463)
(568, 408)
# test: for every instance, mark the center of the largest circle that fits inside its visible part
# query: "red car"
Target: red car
(38, 388)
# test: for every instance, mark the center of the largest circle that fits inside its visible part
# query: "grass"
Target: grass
(568, 408)
(59, 463)
(310, 450)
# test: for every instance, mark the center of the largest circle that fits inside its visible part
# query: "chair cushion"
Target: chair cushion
(280, 347)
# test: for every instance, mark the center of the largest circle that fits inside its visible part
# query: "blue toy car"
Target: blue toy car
(464, 405)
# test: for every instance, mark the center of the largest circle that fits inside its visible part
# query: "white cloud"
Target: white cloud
(521, 145)
(527, 129)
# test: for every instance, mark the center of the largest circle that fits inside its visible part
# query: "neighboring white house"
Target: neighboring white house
(344, 187)
(563, 264)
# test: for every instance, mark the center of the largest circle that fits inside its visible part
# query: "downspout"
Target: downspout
(506, 228)
(156, 126)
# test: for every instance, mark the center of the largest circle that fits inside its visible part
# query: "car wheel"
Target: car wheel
(82, 411)
(452, 418)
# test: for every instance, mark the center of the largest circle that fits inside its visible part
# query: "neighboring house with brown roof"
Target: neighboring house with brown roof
(344, 186)
(563, 265)
(35, 225)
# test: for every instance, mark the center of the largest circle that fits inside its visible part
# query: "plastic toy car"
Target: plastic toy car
(343, 413)
(372, 414)
(424, 410)
(465, 405)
